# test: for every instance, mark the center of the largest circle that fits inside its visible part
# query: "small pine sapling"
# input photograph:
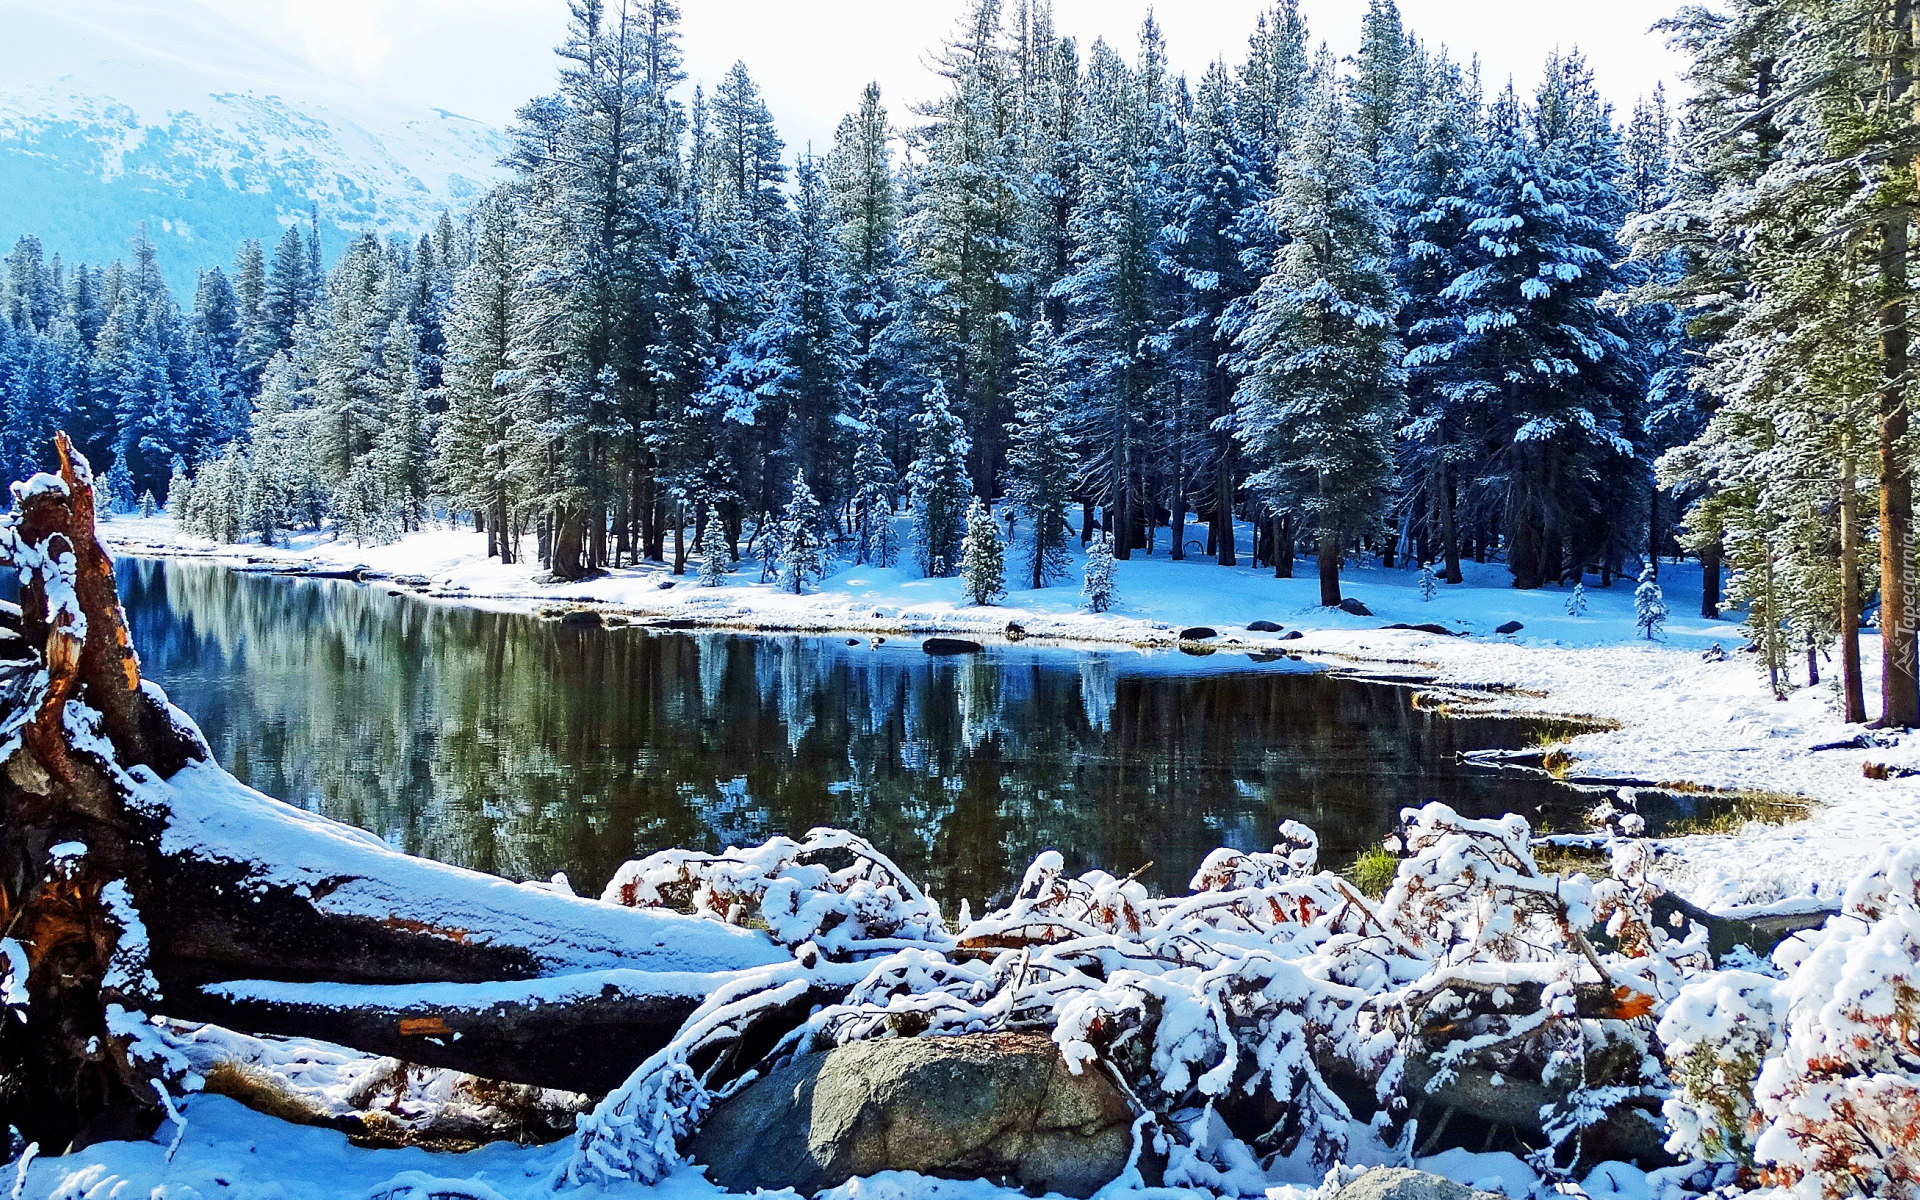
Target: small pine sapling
(803, 542)
(1649, 604)
(1429, 582)
(147, 504)
(1098, 586)
(1577, 602)
(983, 563)
(715, 559)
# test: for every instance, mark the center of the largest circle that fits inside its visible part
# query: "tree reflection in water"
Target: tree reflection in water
(523, 747)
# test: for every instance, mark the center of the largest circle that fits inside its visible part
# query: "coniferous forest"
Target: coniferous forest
(1375, 308)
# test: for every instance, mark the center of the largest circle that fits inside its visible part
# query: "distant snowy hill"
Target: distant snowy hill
(114, 112)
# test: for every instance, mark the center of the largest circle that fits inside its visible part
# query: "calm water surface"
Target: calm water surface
(519, 746)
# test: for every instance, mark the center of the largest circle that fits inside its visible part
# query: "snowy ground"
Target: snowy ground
(1681, 719)
(233, 1153)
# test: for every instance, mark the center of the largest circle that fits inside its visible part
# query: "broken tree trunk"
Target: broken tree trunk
(137, 878)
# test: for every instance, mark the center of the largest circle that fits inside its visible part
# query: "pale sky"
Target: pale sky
(482, 58)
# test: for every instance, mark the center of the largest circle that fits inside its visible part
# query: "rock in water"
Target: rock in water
(1401, 1183)
(1016, 632)
(1509, 627)
(582, 617)
(941, 645)
(1198, 633)
(1264, 627)
(1350, 605)
(1002, 1106)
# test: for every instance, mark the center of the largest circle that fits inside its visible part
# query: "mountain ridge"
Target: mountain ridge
(118, 113)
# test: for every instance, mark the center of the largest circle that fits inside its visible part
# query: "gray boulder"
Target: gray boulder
(1000, 1106)
(1402, 1183)
(1198, 633)
(1509, 627)
(1354, 607)
(1264, 627)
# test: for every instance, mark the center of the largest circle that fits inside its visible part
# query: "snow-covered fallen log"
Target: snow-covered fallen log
(580, 1033)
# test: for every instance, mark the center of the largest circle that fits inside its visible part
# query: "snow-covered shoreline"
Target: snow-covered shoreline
(1677, 718)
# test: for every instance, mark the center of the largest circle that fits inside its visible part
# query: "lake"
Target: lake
(523, 747)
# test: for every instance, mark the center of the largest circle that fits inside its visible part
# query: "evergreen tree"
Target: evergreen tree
(803, 539)
(1040, 456)
(1649, 604)
(983, 564)
(938, 485)
(118, 487)
(1098, 584)
(964, 212)
(1577, 601)
(401, 449)
(1324, 386)
(875, 489)
(1429, 582)
(715, 559)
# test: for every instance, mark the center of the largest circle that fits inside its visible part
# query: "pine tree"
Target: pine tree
(1324, 383)
(147, 504)
(715, 558)
(983, 564)
(1577, 601)
(177, 487)
(803, 539)
(1649, 604)
(401, 448)
(1098, 584)
(1429, 582)
(1040, 456)
(938, 485)
(875, 488)
(118, 487)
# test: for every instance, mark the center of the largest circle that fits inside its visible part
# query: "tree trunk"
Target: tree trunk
(1282, 548)
(1851, 685)
(1899, 696)
(1329, 553)
(1712, 555)
(1449, 535)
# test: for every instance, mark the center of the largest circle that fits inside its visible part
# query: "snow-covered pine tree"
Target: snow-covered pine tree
(875, 487)
(1444, 396)
(118, 486)
(1040, 456)
(1215, 181)
(1649, 604)
(178, 486)
(1429, 582)
(147, 504)
(402, 450)
(803, 539)
(472, 454)
(962, 210)
(1117, 312)
(1577, 601)
(1324, 386)
(1098, 585)
(983, 562)
(715, 557)
(938, 484)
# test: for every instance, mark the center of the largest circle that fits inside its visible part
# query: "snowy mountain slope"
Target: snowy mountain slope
(114, 112)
